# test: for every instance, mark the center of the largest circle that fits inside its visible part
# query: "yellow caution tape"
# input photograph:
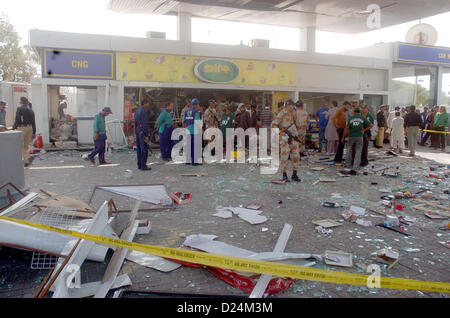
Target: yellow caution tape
(253, 266)
(437, 131)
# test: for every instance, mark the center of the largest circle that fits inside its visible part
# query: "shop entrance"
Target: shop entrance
(160, 97)
(71, 113)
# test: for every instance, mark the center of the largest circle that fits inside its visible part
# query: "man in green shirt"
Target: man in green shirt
(356, 127)
(165, 124)
(440, 124)
(100, 137)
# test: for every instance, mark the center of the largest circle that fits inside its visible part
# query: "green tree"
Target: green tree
(403, 94)
(17, 63)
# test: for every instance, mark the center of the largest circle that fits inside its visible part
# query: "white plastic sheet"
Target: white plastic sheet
(155, 194)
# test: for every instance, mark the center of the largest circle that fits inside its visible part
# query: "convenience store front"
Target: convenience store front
(91, 79)
(92, 71)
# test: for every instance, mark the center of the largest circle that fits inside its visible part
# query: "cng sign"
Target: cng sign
(216, 71)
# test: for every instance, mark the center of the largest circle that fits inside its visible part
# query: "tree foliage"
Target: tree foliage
(423, 95)
(17, 63)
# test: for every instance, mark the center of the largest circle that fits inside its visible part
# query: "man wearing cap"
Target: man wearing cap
(413, 123)
(356, 127)
(25, 122)
(2, 115)
(286, 121)
(165, 124)
(142, 132)
(100, 137)
(193, 125)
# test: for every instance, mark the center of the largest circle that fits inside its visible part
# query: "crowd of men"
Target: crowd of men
(350, 123)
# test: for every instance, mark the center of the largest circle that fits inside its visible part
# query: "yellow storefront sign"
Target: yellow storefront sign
(177, 68)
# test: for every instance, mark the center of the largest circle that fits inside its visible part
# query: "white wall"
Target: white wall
(65, 40)
(41, 110)
(317, 78)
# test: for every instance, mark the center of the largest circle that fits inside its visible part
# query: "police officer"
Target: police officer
(100, 137)
(26, 123)
(142, 132)
(286, 121)
(193, 125)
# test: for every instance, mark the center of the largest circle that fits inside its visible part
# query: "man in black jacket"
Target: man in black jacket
(381, 123)
(25, 122)
(413, 124)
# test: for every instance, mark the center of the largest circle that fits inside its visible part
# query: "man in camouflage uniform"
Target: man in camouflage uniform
(303, 123)
(286, 121)
(210, 118)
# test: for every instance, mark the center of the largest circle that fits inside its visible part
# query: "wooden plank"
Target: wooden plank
(434, 204)
(425, 209)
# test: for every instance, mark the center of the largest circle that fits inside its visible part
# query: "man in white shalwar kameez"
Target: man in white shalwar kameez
(389, 123)
(398, 133)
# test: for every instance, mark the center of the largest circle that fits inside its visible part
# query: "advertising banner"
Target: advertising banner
(192, 69)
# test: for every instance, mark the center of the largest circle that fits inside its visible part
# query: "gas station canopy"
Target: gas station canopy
(342, 16)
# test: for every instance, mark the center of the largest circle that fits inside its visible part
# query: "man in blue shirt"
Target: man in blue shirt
(165, 124)
(193, 125)
(100, 137)
(141, 130)
(323, 122)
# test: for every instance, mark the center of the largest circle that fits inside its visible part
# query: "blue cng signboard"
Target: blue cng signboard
(78, 64)
(423, 54)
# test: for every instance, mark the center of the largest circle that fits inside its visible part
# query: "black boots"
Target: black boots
(295, 177)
